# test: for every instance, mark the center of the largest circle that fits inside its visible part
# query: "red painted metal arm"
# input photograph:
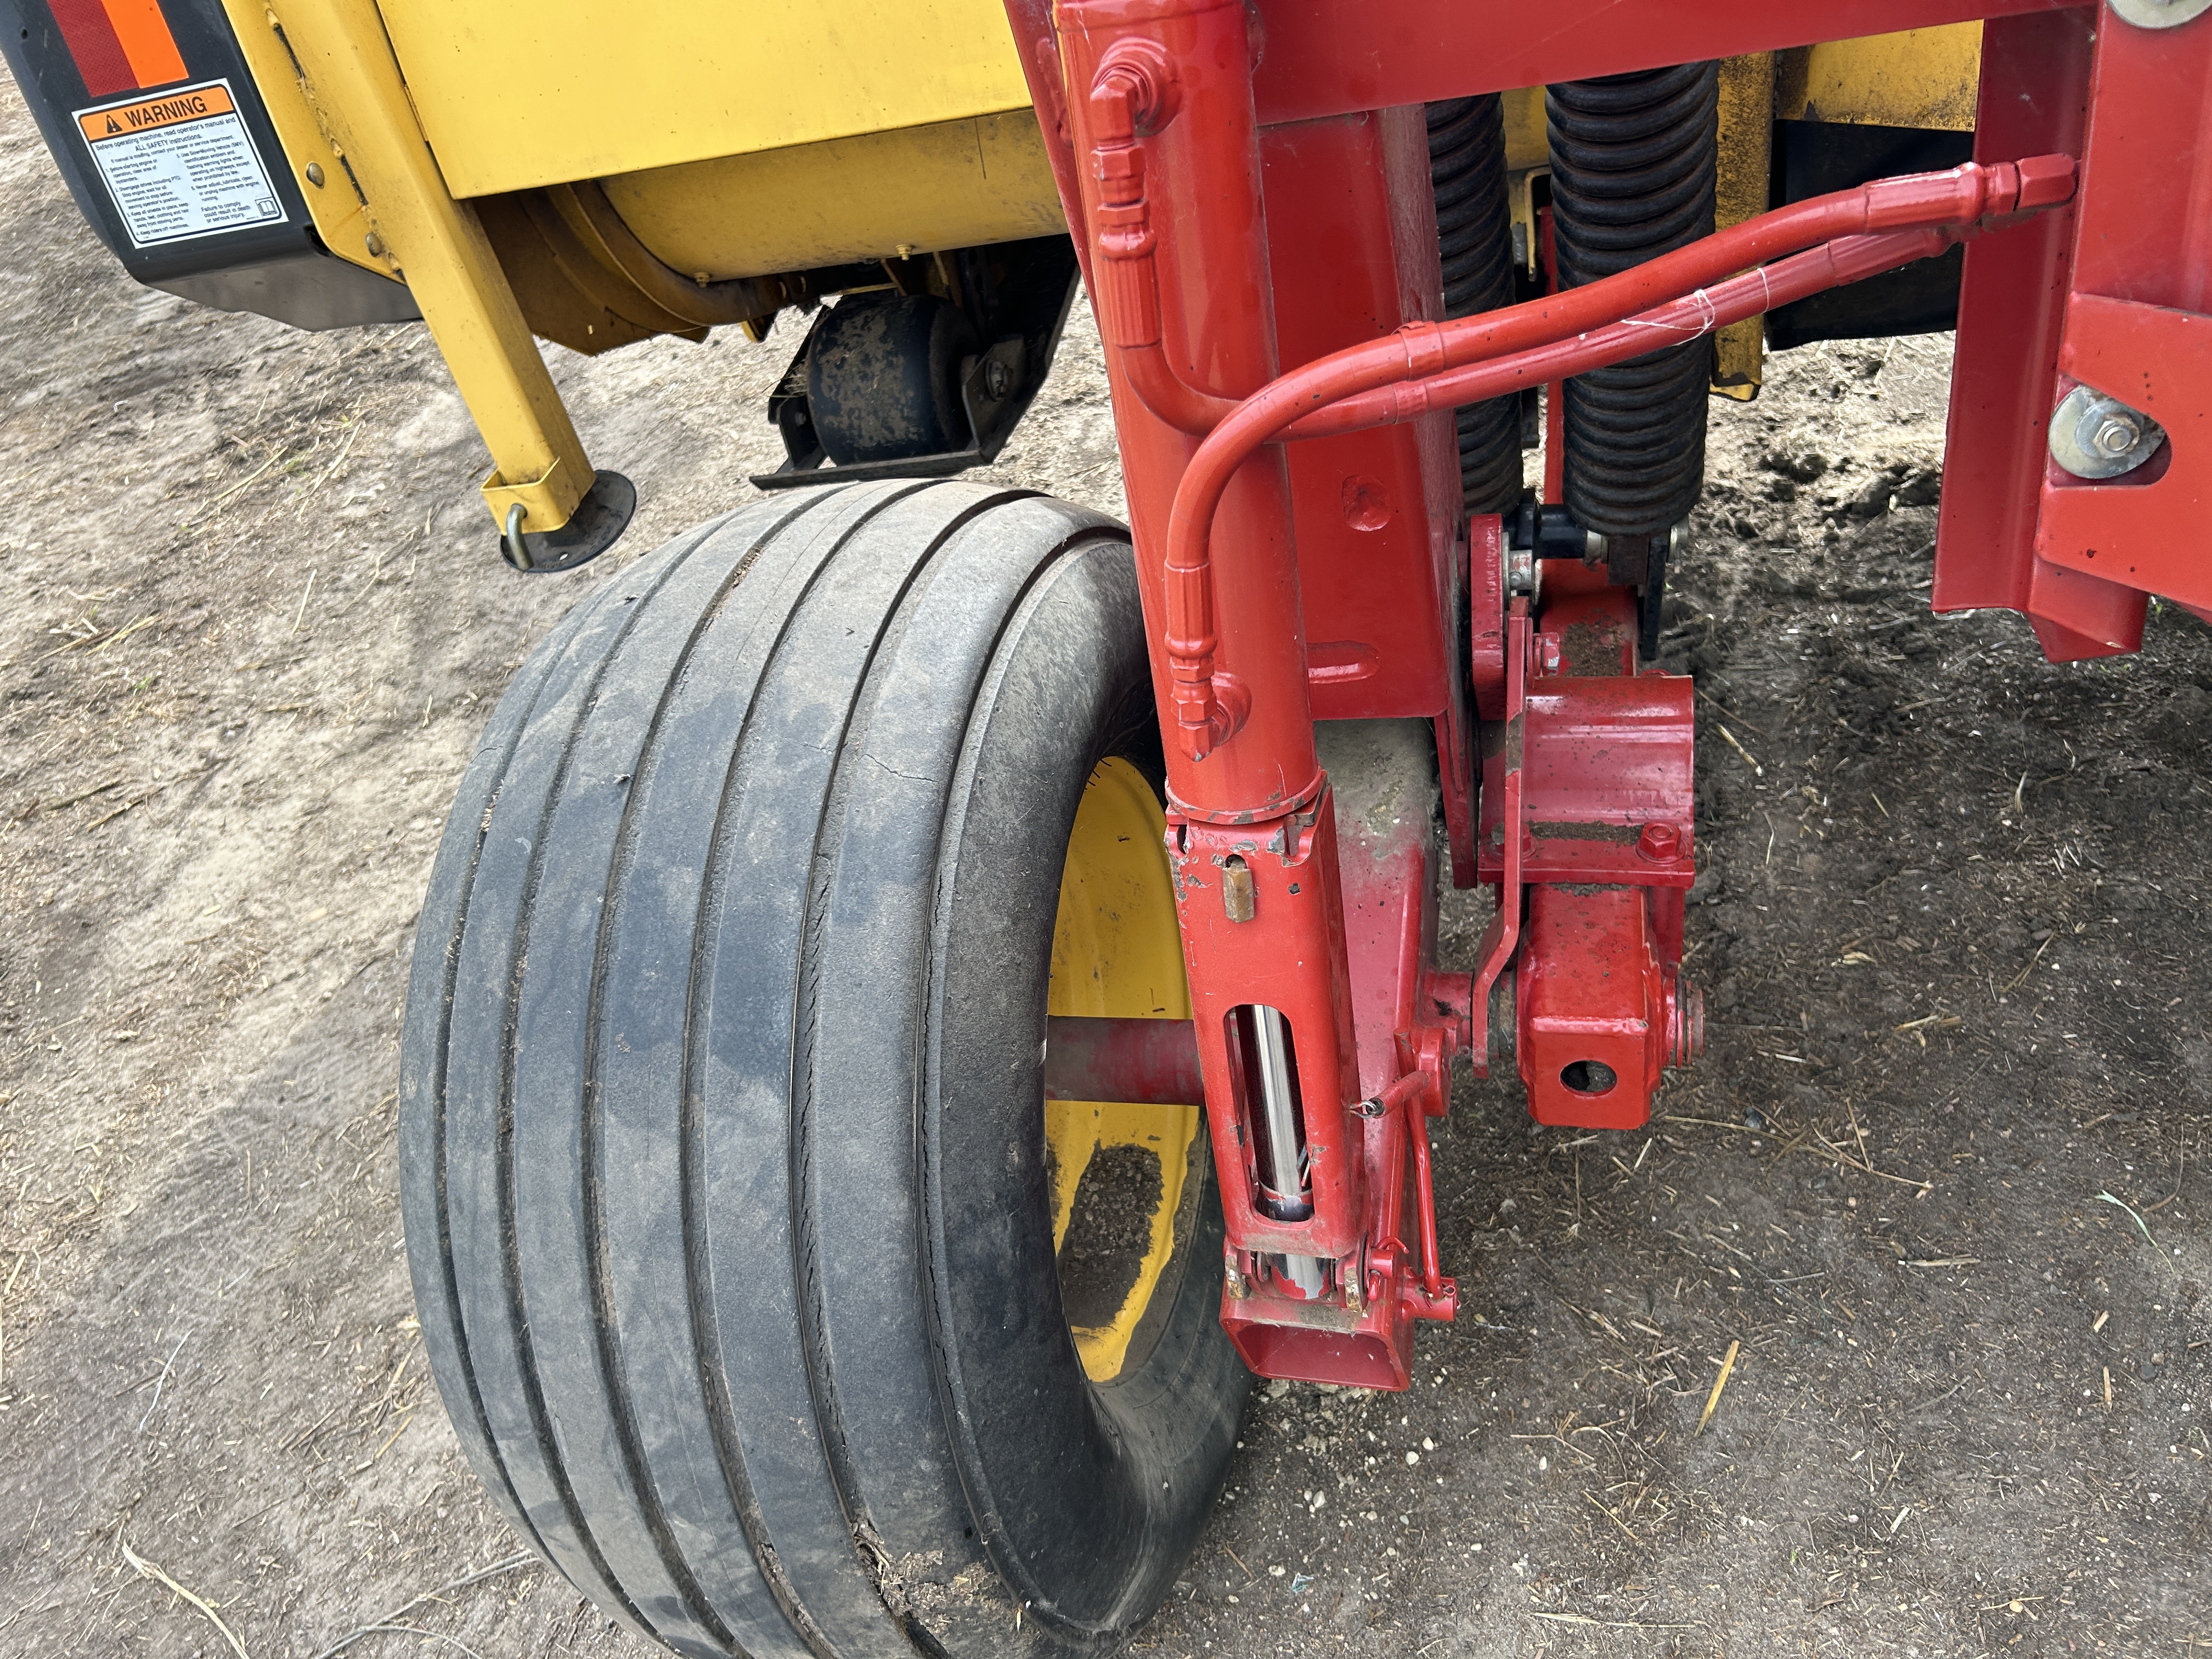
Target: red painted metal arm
(1503, 934)
(1145, 1062)
(1328, 57)
(1424, 1184)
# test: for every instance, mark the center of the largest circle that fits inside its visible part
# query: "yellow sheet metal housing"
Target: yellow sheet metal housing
(513, 94)
(875, 196)
(810, 139)
(1914, 78)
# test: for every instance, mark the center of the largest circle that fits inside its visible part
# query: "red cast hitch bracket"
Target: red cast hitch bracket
(1602, 817)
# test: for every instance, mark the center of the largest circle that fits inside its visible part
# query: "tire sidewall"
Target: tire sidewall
(1088, 1495)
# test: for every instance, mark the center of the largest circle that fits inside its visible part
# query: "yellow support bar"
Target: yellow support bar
(337, 53)
(1746, 131)
(334, 196)
(1527, 157)
(1528, 139)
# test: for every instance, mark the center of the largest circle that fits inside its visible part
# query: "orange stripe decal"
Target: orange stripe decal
(146, 40)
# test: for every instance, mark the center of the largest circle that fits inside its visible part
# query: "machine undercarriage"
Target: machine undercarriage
(928, 989)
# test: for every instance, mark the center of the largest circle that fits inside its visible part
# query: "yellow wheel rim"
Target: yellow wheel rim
(1119, 1172)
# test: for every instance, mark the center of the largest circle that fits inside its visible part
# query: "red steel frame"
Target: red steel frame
(1248, 187)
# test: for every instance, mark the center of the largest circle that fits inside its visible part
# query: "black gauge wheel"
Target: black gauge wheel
(767, 1296)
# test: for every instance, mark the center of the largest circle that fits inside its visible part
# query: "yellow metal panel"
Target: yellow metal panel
(347, 75)
(1747, 132)
(513, 94)
(1117, 953)
(1916, 78)
(956, 184)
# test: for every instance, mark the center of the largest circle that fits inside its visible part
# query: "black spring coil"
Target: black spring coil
(1634, 158)
(1474, 234)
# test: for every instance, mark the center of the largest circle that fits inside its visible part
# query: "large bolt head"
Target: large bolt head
(2095, 436)
(2160, 14)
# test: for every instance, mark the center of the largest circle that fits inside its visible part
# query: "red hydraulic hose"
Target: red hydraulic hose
(1427, 351)
(1846, 259)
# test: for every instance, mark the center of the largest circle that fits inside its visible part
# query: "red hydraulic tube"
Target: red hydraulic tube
(1423, 351)
(1847, 259)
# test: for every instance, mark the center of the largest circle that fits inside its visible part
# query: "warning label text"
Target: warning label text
(181, 165)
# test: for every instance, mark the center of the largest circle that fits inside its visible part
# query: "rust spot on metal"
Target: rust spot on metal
(1618, 833)
(1239, 898)
(1590, 649)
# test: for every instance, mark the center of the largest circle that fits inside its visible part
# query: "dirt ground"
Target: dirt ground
(1937, 1186)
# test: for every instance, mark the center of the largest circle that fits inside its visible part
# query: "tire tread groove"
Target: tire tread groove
(821, 873)
(706, 1317)
(547, 1446)
(621, 1407)
(546, 672)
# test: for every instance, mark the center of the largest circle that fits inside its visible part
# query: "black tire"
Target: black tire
(883, 377)
(727, 1198)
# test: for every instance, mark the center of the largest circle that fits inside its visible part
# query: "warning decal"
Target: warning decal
(181, 165)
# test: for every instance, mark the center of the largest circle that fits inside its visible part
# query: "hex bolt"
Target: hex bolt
(996, 378)
(2096, 436)
(2160, 14)
(1660, 842)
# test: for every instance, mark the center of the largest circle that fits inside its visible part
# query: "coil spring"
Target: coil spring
(1634, 158)
(1474, 234)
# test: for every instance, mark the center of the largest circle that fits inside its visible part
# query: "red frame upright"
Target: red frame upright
(2111, 292)
(1248, 186)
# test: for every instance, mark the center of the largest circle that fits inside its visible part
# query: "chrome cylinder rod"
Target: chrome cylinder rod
(1283, 1158)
